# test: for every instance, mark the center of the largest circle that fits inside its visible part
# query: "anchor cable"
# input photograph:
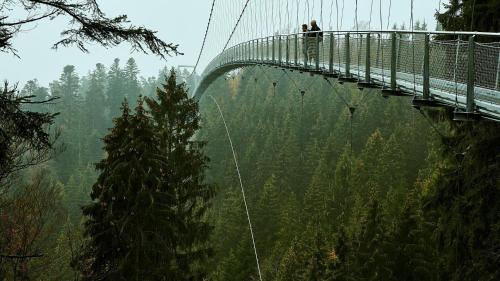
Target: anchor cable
(241, 185)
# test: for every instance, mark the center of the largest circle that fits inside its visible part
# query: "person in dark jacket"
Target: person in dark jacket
(314, 32)
(315, 28)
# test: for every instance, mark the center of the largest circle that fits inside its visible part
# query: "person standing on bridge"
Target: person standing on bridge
(305, 43)
(315, 35)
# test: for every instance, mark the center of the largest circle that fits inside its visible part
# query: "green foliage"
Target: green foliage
(147, 221)
(470, 15)
(324, 211)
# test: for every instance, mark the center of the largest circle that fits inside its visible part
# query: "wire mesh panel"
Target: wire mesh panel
(396, 59)
(302, 50)
(358, 52)
(487, 58)
(448, 66)
(339, 58)
(324, 50)
(410, 57)
(381, 63)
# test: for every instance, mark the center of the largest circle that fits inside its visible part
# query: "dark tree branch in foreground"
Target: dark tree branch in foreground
(24, 135)
(88, 24)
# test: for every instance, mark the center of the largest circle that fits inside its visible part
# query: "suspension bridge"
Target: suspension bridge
(436, 68)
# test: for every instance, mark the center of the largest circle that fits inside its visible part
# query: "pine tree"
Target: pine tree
(95, 113)
(339, 259)
(129, 225)
(132, 85)
(370, 255)
(267, 217)
(315, 268)
(116, 88)
(470, 15)
(409, 259)
(176, 121)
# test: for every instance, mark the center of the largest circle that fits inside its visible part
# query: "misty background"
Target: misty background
(180, 22)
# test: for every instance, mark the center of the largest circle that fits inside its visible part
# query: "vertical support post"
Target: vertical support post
(347, 56)
(305, 47)
(497, 84)
(279, 50)
(316, 51)
(253, 49)
(262, 53)
(273, 49)
(267, 48)
(471, 75)
(394, 51)
(287, 55)
(247, 51)
(331, 52)
(368, 59)
(426, 72)
(398, 61)
(256, 50)
(296, 51)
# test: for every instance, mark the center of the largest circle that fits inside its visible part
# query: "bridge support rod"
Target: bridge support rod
(426, 72)
(279, 50)
(316, 51)
(273, 49)
(267, 47)
(257, 57)
(393, 60)
(368, 60)
(287, 58)
(497, 84)
(471, 75)
(347, 56)
(330, 57)
(296, 50)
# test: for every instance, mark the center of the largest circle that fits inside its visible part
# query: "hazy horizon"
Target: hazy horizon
(181, 23)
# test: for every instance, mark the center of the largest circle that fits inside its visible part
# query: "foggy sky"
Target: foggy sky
(178, 21)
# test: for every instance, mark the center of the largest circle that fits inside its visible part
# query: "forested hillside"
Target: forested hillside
(40, 211)
(344, 184)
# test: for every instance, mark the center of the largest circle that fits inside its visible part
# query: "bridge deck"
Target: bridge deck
(456, 73)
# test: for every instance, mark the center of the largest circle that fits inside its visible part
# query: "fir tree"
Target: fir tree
(129, 224)
(132, 86)
(116, 88)
(176, 121)
(370, 256)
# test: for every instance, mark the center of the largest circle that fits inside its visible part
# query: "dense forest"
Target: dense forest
(41, 213)
(115, 176)
(344, 184)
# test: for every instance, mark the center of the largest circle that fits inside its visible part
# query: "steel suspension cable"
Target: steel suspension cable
(380, 42)
(331, 15)
(204, 37)
(357, 34)
(338, 32)
(298, 20)
(371, 13)
(472, 17)
(241, 185)
(236, 26)
(389, 15)
(342, 18)
(413, 52)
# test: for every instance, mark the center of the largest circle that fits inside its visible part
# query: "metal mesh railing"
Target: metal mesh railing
(396, 59)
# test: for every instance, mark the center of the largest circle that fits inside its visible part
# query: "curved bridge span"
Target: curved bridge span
(462, 73)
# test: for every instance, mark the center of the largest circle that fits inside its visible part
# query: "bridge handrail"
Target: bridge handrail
(423, 32)
(399, 59)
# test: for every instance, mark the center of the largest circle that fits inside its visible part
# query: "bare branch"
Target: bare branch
(88, 25)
